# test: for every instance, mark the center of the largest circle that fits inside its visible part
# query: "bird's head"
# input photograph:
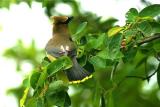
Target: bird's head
(61, 19)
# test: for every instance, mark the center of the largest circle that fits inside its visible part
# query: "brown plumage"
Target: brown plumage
(61, 44)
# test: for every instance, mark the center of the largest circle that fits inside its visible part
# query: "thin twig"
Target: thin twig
(142, 78)
(139, 77)
(149, 39)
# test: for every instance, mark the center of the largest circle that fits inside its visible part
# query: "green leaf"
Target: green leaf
(103, 54)
(145, 28)
(129, 54)
(152, 10)
(110, 100)
(56, 86)
(61, 63)
(60, 99)
(54, 67)
(26, 82)
(67, 62)
(131, 15)
(95, 43)
(155, 27)
(29, 2)
(96, 94)
(113, 48)
(112, 54)
(42, 79)
(34, 79)
(80, 28)
(35, 102)
(113, 31)
(156, 46)
(45, 62)
(98, 62)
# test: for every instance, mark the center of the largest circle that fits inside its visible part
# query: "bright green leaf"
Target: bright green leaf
(61, 63)
(152, 10)
(26, 82)
(131, 15)
(145, 28)
(113, 31)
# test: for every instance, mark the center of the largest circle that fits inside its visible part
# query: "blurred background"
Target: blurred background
(25, 28)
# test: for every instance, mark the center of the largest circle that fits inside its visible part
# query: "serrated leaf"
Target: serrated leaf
(145, 28)
(113, 31)
(56, 86)
(34, 79)
(152, 10)
(131, 15)
(80, 28)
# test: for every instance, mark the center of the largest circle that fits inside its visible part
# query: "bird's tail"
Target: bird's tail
(77, 74)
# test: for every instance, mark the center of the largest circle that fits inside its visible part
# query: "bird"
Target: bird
(61, 44)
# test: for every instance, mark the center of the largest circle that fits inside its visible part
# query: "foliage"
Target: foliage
(114, 54)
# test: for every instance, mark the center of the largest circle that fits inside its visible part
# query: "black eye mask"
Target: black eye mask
(67, 21)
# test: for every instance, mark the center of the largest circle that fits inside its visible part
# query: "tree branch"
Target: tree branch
(149, 39)
(139, 77)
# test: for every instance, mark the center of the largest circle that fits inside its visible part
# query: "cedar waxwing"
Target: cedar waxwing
(61, 44)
